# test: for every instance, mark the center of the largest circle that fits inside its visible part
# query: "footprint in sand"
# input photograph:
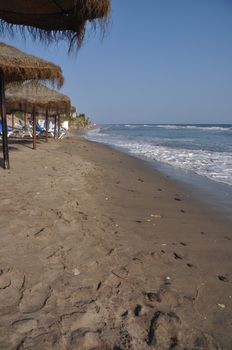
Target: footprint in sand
(190, 265)
(223, 278)
(11, 290)
(227, 238)
(83, 215)
(124, 314)
(137, 310)
(164, 333)
(177, 256)
(24, 325)
(154, 297)
(164, 295)
(120, 272)
(163, 330)
(110, 251)
(35, 298)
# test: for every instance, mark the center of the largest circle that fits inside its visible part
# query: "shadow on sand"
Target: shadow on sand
(13, 143)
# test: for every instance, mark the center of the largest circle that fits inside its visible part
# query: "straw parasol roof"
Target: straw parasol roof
(34, 96)
(73, 109)
(18, 66)
(53, 19)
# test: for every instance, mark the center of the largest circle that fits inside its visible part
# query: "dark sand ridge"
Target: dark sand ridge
(97, 251)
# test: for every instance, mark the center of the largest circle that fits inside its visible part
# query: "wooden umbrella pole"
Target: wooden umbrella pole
(13, 124)
(6, 163)
(58, 125)
(55, 127)
(46, 125)
(34, 128)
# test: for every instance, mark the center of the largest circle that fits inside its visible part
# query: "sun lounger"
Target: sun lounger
(9, 130)
(40, 131)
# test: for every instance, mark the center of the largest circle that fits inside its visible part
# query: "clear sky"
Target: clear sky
(162, 61)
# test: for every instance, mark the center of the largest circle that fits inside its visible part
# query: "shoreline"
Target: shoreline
(215, 195)
(192, 194)
(99, 251)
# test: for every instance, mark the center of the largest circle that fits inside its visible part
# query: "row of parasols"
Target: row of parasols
(21, 91)
(49, 21)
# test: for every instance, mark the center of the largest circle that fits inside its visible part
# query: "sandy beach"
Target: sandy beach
(100, 252)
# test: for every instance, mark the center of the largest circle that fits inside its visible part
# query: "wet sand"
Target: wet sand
(98, 251)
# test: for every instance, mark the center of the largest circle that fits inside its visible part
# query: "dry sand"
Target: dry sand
(98, 252)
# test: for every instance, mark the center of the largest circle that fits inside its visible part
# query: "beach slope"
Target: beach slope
(98, 251)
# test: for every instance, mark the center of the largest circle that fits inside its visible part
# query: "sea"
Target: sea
(198, 155)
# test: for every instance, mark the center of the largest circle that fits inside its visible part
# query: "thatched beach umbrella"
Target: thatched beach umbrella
(36, 98)
(15, 65)
(51, 20)
(31, 96)
(73, 109)
(19, 66)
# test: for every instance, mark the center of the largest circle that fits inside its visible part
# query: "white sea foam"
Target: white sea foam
(94, 131)
(194, 127)
(131, 126)
(203, 154)
(215, 165)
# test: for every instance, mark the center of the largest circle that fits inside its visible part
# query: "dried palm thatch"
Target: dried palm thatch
(51, 20)
(36, 97)
(18, 66)
(73, 109)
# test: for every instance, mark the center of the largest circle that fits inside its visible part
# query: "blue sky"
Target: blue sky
(162, 61)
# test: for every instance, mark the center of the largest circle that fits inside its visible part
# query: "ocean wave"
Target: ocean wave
(131, 126)
(100, 130)
(195, 127)
(203, 154)
(138, 126)
(93, 131)
(214, 165)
